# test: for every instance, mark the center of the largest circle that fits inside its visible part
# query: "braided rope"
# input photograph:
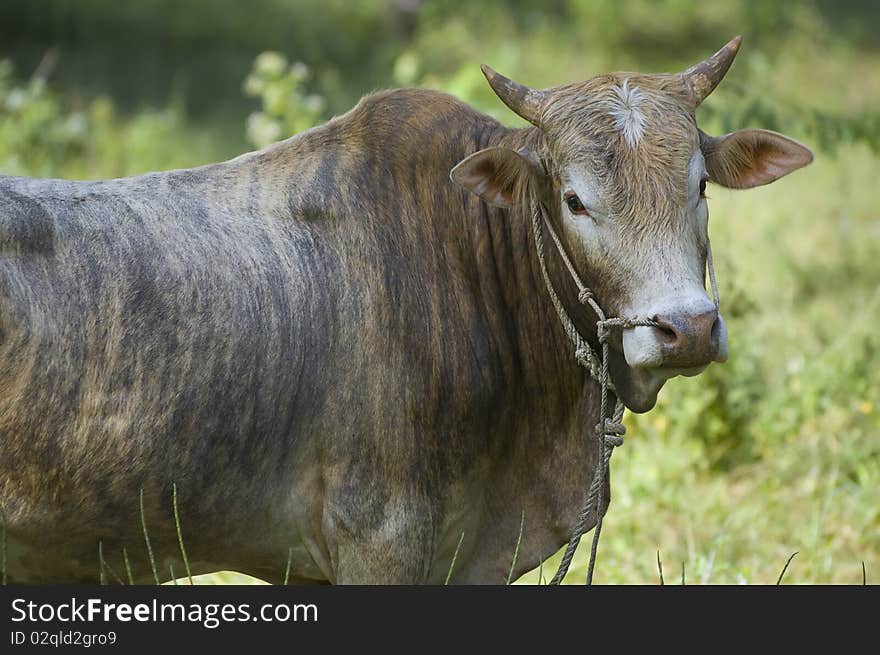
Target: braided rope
(582, 351)
(710, 266)
(609, 430)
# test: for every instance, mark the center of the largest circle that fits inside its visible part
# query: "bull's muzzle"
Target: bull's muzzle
(683, 342)
(690, 341)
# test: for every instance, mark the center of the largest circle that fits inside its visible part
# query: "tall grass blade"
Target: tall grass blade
(522, 521)
(683, 583)
(127, 567)
(454, 557)
(103, 573)
(660, 569)
(147, 540)
(287, 569)
(180, 533)
(864, 575)
(785, 568)
(173, 577)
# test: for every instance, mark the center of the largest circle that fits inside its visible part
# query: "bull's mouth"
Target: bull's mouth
(688, 372)
(642, 359)
(637, 388)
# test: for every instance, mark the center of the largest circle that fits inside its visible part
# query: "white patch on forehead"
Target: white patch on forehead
(627, 113)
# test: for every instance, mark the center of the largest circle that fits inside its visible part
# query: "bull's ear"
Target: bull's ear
(495, 174)
(750, 158)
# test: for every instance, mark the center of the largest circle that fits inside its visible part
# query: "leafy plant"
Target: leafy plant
(287, 107)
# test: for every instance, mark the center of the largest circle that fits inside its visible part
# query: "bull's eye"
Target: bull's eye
(575, 206)
(703, 188)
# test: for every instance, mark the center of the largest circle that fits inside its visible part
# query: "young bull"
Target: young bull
(337, 353)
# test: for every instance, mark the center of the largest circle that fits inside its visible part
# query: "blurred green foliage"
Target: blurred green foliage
(44, 134)
(779, 449)
(36, 135)
(287, 109)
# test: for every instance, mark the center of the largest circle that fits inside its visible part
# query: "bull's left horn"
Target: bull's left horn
(523, 100)
(705, 76)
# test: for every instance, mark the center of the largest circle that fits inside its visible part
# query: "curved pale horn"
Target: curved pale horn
(523, 100)
(705, 76)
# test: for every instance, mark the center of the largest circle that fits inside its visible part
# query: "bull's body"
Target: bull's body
(328, 347)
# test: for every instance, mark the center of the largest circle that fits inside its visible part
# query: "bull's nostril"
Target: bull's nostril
(667, 335)
(688, 339)
(716, 329)
(665, 331)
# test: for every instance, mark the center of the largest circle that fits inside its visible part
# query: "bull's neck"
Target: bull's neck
(557, 395)
(526, 294)
(528, 280)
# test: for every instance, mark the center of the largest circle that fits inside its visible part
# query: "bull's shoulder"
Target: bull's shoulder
(415, 118)
(394, 125)
(412, 103)
(373, 161)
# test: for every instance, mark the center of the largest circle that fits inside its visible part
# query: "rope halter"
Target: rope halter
(609, 431)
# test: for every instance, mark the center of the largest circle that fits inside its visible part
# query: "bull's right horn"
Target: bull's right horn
(702, 78)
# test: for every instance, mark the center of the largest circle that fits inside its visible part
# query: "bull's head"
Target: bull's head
(623, 168)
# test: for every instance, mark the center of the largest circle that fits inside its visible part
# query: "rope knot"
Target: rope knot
(584, 296)
(610, 427)
(582, 355)
(612, 432)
